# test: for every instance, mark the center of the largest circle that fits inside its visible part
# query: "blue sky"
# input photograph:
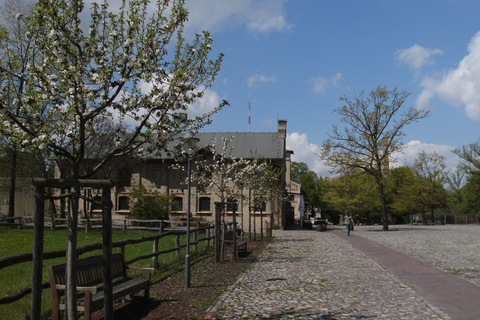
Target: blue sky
(293, 60)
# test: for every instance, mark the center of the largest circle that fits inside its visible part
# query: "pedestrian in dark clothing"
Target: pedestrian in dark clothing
(348, 223)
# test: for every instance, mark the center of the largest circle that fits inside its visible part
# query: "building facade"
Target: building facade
(157, 173)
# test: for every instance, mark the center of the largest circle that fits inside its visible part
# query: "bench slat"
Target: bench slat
(89, 273)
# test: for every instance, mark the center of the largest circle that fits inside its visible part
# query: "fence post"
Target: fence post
(124, 225)
(155, 250)
(177, 244)
(234, 229)
(160, 229)
(218, 208)
(87, 222)
(36, 302)
(195, 236)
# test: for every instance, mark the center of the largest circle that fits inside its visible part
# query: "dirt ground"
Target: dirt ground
(169, 299)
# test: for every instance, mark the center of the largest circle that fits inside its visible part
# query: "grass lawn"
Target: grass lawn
(17, 277)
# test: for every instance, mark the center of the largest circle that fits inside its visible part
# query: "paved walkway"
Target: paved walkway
(327, 275)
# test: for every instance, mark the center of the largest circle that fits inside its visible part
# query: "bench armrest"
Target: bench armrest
(93, 290)
(148, 271)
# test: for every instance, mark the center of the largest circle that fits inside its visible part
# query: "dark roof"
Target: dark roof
(245, 144)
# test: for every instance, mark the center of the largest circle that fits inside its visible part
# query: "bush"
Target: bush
(149, 205)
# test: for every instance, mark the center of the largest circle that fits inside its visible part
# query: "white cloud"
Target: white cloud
(259, 16)
(414, 147)
(207, 103)
(320, 84)
(460, 87)
(251, 81)
(416, 56)
(268, 123)
(305, 151)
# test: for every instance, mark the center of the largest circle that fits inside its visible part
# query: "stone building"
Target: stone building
(156, 172)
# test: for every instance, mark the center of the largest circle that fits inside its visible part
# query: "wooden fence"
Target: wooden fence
(174, 228)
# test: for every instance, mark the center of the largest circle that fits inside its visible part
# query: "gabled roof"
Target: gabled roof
(246, 144)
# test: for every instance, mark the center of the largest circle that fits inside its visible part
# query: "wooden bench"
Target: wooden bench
(241, 245)
(89, 273)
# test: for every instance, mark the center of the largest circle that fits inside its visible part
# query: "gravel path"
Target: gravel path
(318, 275)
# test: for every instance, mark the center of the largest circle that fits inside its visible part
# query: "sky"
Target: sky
(294, 59)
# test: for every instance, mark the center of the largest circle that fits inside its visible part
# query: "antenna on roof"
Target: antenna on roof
(249, 115)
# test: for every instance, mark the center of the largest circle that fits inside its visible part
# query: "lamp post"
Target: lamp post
(189, 145)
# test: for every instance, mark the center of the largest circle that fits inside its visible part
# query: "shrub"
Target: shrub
(149, 204)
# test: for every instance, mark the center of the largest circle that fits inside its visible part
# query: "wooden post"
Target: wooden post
(234, 236)
(177, 244)
(155, 250)
(124, 225)
(195, 236)
(71, 256)
(160, 229)
(107, 253)
(208, 236)
(36, 302)
(218, 209)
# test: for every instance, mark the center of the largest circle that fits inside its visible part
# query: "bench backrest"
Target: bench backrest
(89, 270)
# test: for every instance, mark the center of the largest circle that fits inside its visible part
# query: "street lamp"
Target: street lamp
(189, 145)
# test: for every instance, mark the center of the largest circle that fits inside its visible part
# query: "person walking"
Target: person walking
(348, 223)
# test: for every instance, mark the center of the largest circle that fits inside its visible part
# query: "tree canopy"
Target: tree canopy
(373, 129)
(122, 66)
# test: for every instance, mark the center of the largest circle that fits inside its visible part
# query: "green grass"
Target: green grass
(17, 277)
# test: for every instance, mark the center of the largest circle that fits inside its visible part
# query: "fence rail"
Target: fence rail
(176, 231)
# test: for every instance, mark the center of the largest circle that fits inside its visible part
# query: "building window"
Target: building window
(97, 204)
(260, 205)
(124, 203)
(178, 204)
(204, 204)
(232, 206)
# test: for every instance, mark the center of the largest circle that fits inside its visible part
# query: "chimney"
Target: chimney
(282, 128)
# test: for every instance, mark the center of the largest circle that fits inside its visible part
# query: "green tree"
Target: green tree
(470, 155)
(470, 165)
(429, 169)
(149, 204)
(312, 189)
(373, 129)
(400, 186)
(455, 196)
(471, 192)
(353, 193)
(297, 170)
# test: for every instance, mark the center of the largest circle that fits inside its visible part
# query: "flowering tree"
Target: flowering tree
(78, 75)
(78, 79)
(227, 175)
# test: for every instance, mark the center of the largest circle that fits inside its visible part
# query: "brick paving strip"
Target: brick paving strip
(326, 275)
(455, 296)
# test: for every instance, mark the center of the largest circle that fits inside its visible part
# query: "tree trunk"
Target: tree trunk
(71, 258)
(384, 205)
(13, 179)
